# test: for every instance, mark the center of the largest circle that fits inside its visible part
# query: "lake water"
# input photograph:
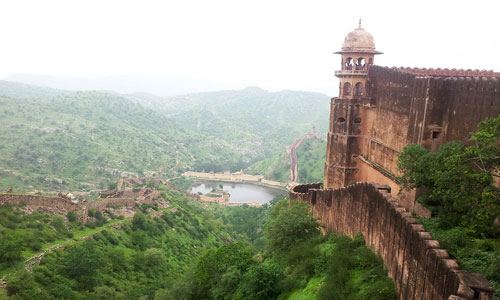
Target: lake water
(239, 192)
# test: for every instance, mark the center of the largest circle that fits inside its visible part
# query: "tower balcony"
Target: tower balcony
(340, 73)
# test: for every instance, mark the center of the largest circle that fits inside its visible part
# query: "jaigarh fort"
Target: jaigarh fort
(378, 112)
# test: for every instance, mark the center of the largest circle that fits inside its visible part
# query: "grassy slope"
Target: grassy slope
(310, 291)
(276, 167)
(311, 157)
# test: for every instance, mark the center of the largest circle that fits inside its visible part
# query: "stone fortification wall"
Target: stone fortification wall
(35, 202)
(234, 178)
(224, 176)
(273, 183)
(468, 101)
(101, 205)
(426, 110)
(401, 103)
(418, 266)
(417, 107)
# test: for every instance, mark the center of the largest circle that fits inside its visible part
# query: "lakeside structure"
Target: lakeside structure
(378, 112)
(236, 177)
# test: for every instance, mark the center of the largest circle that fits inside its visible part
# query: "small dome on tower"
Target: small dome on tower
(359, 40)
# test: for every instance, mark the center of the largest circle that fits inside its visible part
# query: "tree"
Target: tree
(72, 216)
(225, 262)
(289, 225)
(139, 221)
(10, 248)
(458, 179)
(83, 261)
(22, 284)
(260, 282)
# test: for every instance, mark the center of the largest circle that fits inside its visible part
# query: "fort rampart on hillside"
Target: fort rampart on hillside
(61, 206)
(418, 266)
(44, 203)
(101, 205)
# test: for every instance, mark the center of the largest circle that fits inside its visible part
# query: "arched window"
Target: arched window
(360, 63)
(347, 89)
(348, 63)
(358, 89)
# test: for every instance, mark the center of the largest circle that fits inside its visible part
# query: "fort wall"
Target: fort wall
(235, 178)
(468, 101)
(430, 111)
(403, 107)
(61, 206)
(102, 204)
(224, 176)
(35, 202)
(416, 263)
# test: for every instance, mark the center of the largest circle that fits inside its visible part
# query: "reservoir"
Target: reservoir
(240, 192)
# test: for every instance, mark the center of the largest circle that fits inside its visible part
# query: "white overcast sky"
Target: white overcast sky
(272, 44)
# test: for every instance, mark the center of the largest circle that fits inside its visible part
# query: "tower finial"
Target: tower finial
(359, 22)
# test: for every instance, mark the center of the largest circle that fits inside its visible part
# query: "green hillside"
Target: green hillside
(250, 121)
(59, 139)
(54, 139)
(190, 250)
(311, 156)
(128, 261)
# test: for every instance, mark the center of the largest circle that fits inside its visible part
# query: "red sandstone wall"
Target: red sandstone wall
(400, 103)
(469, 101)
(416, 263)
(409, 108)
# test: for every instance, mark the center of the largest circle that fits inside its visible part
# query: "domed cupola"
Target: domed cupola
(359, 40)
(358, 53)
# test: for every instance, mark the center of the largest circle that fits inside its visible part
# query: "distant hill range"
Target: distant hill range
(157, 85)
(55, 139)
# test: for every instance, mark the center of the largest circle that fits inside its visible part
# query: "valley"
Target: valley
(83, 141)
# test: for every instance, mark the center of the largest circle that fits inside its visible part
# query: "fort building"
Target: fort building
(378, 112)
(381, 110)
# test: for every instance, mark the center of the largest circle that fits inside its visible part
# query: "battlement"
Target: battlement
(417, 264)
(448, 72)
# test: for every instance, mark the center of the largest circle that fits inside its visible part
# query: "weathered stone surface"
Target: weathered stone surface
(398, 107)
(416, 263)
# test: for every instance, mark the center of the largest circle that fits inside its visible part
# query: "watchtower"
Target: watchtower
(344, 137)
(357, 55)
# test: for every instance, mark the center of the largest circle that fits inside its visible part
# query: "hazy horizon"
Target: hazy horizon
(222, 44)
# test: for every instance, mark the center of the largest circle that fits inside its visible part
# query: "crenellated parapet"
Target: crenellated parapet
(438, 72)
(417, 264)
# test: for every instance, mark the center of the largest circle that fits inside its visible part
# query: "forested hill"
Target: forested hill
(56, 139)
(51, 138)
(253, 121)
